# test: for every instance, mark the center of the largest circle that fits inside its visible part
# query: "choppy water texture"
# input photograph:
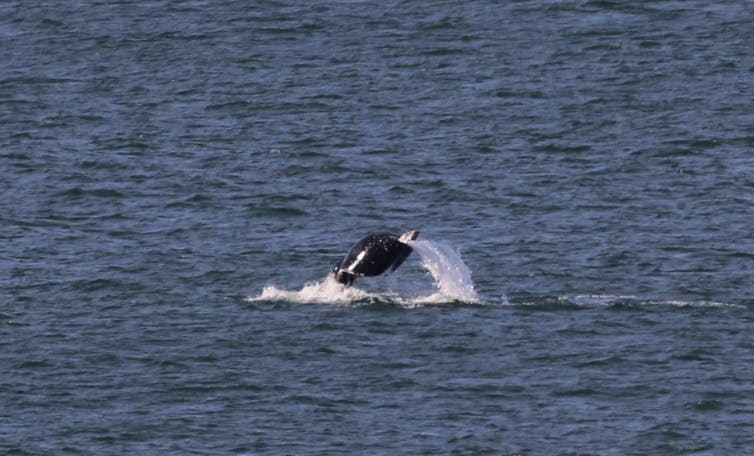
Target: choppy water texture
(178, 177)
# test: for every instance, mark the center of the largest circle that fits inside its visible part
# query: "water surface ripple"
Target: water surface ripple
(162, 162)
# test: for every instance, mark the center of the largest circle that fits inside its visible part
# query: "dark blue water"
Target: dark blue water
(177, 178)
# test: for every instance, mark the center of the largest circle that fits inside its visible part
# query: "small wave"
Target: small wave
(586, 301)
(700, 303)
(630, 300)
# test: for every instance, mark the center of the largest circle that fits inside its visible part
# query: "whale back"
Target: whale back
(375, 254)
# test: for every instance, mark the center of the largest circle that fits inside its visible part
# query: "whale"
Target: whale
(374, 255)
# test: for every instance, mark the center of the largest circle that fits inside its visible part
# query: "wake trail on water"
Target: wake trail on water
(451, 276)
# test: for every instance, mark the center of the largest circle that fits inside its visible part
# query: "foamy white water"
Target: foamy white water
(452, 280)
(326, 291)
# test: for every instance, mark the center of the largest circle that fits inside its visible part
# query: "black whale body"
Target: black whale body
(374, 255)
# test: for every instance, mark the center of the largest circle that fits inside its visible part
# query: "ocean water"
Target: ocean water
(177, 179)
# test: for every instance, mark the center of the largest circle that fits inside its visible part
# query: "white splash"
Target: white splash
(452, 280)
(327, 291)
(452, 276)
